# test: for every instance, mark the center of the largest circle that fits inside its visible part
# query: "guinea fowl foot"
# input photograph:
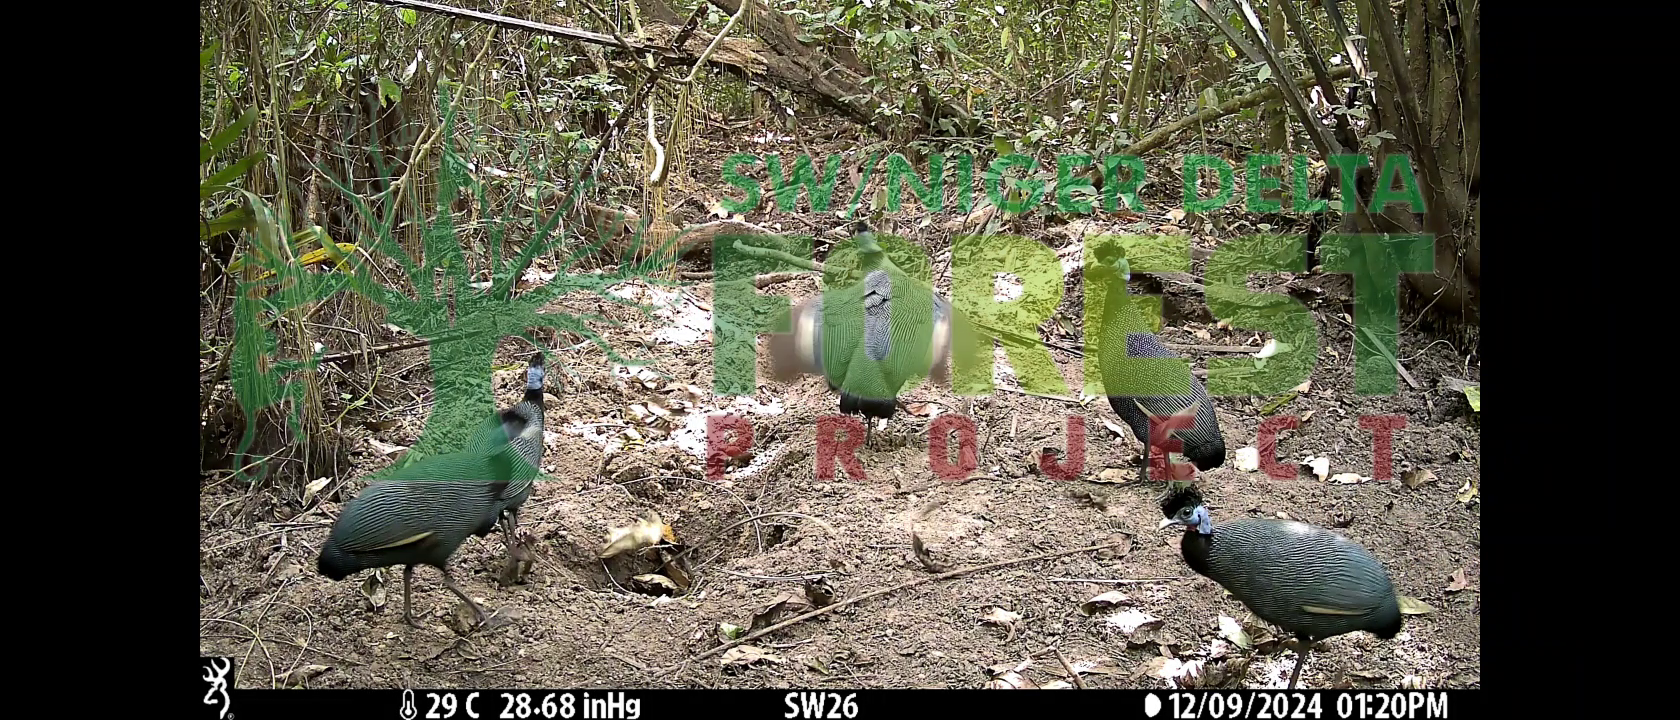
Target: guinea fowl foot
(478, 612)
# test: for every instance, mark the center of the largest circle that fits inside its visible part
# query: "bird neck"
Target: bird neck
(535, 397)
(1114, 303)
(1196, 546)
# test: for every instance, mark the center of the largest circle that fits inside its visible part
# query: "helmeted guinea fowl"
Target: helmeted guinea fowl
(1123, 327)
(419, 515)
(517, 434)
(1307, 580)
(868, 339)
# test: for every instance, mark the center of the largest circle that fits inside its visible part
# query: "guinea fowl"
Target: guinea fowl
(1307, 580)
(1122, 327)
(516, 435)
(419, 515)
(868, 339)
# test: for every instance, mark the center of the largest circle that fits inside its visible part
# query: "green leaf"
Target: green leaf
(229, 174)
(235, 219)
(389, 89)
(409, 17)
(1003, 146)
(221, 140)
(208, 53)
(1265, 73)
(1473, 393)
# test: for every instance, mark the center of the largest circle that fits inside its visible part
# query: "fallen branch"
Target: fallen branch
(1230, 107)
(774, 254)
(353, 355)
(760, 281)
(878, 593)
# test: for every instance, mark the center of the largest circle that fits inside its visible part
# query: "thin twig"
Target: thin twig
(878, 593)
(1069, 668)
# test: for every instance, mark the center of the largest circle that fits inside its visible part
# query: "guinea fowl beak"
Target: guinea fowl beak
(1169, 522)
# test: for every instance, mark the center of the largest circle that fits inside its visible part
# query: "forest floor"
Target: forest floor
(569, 624)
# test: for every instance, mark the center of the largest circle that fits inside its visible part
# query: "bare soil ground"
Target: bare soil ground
(570, 624)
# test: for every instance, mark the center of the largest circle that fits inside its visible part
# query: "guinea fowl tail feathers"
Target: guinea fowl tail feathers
(867, 407)
(1185, 495)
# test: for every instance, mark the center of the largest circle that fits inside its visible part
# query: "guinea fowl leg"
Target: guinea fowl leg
(510, 525)
(408, 596)
(516, 550)
(449, 582)
(1302, 647)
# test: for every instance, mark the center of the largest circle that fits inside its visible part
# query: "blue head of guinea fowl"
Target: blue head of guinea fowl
(534, 378)
(1193, 517)
(1183, 506)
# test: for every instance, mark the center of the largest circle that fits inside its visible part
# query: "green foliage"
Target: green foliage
(238, 217)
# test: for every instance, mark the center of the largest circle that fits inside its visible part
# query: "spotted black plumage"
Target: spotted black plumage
(1307, 580)
(1122, 326)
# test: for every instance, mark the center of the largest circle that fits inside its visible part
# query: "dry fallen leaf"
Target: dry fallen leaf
(1469, 491)
(1411, 682)
(643, 533)
(1248, 459)
(1003, 618)
(1414, 606)
(1417, 477)
(1009, 677)
(1303, 387)
(745, 655)
(1056, 685)
(1457, 582)
(313, 489)
(301, 675)
(384, 448)
(1132, 620)
(927, 410)
(789, 602)
(654, 584)
(1202, 333)
(373, 588)
(1114, 427)
(1112, 598)
(1232, 630)
(1348, 478)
